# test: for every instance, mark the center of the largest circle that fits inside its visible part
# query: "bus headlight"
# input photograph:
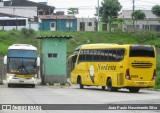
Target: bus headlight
(10, 77)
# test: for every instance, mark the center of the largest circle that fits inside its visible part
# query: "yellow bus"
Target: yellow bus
(114, 66)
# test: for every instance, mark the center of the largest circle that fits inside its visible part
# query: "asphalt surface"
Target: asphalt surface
(73, 95)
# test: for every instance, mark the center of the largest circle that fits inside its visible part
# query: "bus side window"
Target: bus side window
(90, 55)
(87, 55)
(120, 54)
(94, 55)
(81, 57)
(106, 55)
(110, 57)
(102, 55)
(73, 62)
(114, 55)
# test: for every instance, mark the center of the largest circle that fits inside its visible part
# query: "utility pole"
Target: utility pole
(98, 15)
(133, 12)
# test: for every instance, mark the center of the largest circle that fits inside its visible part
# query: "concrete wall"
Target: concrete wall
(86, 21)
(139, 24)
(28, 12)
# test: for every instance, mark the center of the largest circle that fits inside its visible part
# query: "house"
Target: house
(151, 22)
(23, 9)
(115, 25)
(57, 23)
(87, 24)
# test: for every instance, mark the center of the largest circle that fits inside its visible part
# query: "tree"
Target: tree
(156, 10)
(73, 11)
(109, 10)
(138, 15)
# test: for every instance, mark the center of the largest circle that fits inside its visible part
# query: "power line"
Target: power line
(147, 2)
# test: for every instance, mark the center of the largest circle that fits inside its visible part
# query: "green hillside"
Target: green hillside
(28, 36)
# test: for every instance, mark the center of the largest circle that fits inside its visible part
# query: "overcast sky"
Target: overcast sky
(87, 7)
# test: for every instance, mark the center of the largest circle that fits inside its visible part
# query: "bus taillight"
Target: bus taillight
(128, 74)
(154, 75)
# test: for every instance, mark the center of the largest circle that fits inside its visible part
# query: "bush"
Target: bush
(144, 36)
(157, 81)
(27, 32)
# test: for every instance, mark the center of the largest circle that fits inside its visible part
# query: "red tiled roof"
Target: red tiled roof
(56, 17)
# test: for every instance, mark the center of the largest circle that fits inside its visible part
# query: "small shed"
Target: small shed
(53, 60)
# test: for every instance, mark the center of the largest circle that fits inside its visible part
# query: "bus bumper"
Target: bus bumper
(21, 81)
(141, 84)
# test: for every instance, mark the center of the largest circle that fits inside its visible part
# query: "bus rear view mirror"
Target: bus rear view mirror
(5, 60)
(38, 61)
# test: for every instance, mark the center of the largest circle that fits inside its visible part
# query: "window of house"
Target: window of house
(69, 24)
(89, 23)
(52, 55)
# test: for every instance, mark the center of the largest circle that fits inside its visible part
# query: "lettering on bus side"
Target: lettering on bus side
(106, 67)
(136, 61)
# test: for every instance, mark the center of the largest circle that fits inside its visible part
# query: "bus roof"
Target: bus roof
(22, 47)
(106, 45)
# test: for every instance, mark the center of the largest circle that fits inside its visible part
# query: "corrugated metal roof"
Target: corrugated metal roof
(56, 17)
(42, 37)
(126, 14)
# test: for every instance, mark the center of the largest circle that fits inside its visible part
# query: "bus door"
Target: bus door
(142, 64)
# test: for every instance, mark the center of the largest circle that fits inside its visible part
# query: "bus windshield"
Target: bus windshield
(22, 53)
(141, 51)
(22, 65)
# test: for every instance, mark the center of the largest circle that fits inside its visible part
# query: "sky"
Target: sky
(87, 7)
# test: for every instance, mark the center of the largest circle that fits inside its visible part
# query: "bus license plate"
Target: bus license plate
(141, 83)
(21, 81)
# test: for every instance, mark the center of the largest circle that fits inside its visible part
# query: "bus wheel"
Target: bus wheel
(33, 85)
(103, 87)
(80, 83)
(109, 86)
(134, 90)
(9, 85)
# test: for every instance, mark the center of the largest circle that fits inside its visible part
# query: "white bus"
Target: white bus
(22, 63)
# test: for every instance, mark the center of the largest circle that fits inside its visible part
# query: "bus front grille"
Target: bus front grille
(141, 65)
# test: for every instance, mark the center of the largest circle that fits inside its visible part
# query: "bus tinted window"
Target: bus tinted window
(105, 55)
(141, 51)
(81, 57)
(96, 55)
(120, 54)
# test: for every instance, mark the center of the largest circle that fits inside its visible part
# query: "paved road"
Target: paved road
(74, 95)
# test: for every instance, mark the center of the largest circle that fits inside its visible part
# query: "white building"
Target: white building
(151, 22)
(7, 23)
(86, 24)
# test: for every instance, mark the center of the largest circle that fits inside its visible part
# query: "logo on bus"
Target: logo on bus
(106, 67)
(91, 73)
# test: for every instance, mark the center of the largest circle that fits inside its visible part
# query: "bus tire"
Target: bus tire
(109, 85)
(9, 85)
(33, 85)
(134, 90)
(103, 87)
(80, 83)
